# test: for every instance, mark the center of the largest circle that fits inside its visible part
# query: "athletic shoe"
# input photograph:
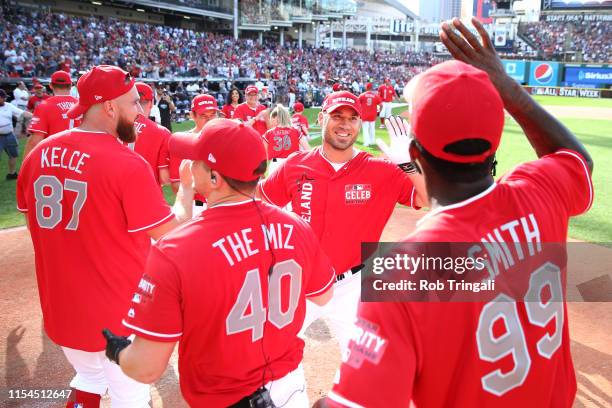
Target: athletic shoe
(11, 176)
(382, 127)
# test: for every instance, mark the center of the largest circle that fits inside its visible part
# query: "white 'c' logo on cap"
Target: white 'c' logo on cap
(98, 97)
(211, 158)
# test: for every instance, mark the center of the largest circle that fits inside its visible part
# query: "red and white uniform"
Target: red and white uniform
(152, 144)
(386, 93)
(206, 285)
(282, 141)
(87, 224)
(434, 353)
(370, 103)
(335, 203)
(300, 122)
(36, 100)
(245, 113)
(50, 117)
(228, 111)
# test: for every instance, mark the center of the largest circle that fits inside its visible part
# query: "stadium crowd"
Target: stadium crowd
(593, 40)
(32, 48)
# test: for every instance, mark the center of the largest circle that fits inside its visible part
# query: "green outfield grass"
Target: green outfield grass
(595, 226)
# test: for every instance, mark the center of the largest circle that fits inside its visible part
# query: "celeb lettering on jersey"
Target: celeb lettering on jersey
(238, 246)
(357, 193)
(64, 158)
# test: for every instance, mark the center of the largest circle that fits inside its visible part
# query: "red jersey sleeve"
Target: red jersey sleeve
(403, 185)
(380, 367)
(322, 275)
(155, 312)
(274, 188)
(39, 122)
(143, 203)
(163, 158)
(22, 183)
(174, 165)
(563, 175)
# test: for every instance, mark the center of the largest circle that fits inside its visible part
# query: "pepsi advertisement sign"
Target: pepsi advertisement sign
(544, 73)
(517, 70)
(584, 75)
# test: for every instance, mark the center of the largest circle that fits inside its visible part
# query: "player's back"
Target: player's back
(233, 320)
(282, 141)
(50, 116)
(82, 191)
(493, 351)
(152, 144)
(504, 352)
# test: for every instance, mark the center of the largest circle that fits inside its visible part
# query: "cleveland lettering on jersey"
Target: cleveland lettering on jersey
(238, 246)
(62, 157)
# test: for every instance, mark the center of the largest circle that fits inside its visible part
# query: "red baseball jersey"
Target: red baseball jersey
(474, 354)
(282, 141)
(300, 122)
(231, 285)
(386, 92)
(245, 113)
(35, 100)
(228, 111)
(85, 194)
(370, 101)
(50, 117)
(152, 144)
(338, 203)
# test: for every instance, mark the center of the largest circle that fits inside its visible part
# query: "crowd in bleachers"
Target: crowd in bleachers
(38, 43)
(585, 41)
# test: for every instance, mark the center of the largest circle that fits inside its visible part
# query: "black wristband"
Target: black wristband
(408, 168)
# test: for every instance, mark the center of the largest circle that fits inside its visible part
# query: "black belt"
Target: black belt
(259, 399)
(275, 159)
(350, 272)
(199, 203)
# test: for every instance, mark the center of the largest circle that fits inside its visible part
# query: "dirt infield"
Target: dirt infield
(30, 360)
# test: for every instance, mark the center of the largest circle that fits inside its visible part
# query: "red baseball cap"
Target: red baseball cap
(251, 89)
(343, 98)
(368, 86)
(216, 145)
(61, 78)
(38, 86)
(145, 91)
(298, 107)
(204, 102)
(101, 83)
(454, 101)
(336, 87)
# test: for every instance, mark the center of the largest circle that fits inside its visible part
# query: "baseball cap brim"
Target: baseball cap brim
(339, 105)
(204, 109)
(183, 146)
(77, 110)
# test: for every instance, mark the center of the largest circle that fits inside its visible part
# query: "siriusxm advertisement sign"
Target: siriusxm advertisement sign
(588, 76)
(516, 69)
(544, 73)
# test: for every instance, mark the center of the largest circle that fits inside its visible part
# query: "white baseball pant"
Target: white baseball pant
(340, 311)
(290, 391)
(96, 374)
(385, 110)
(369, 133)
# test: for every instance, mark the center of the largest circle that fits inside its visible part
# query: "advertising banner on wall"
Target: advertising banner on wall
(516, 69)
(544, 73)
(584, 75)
